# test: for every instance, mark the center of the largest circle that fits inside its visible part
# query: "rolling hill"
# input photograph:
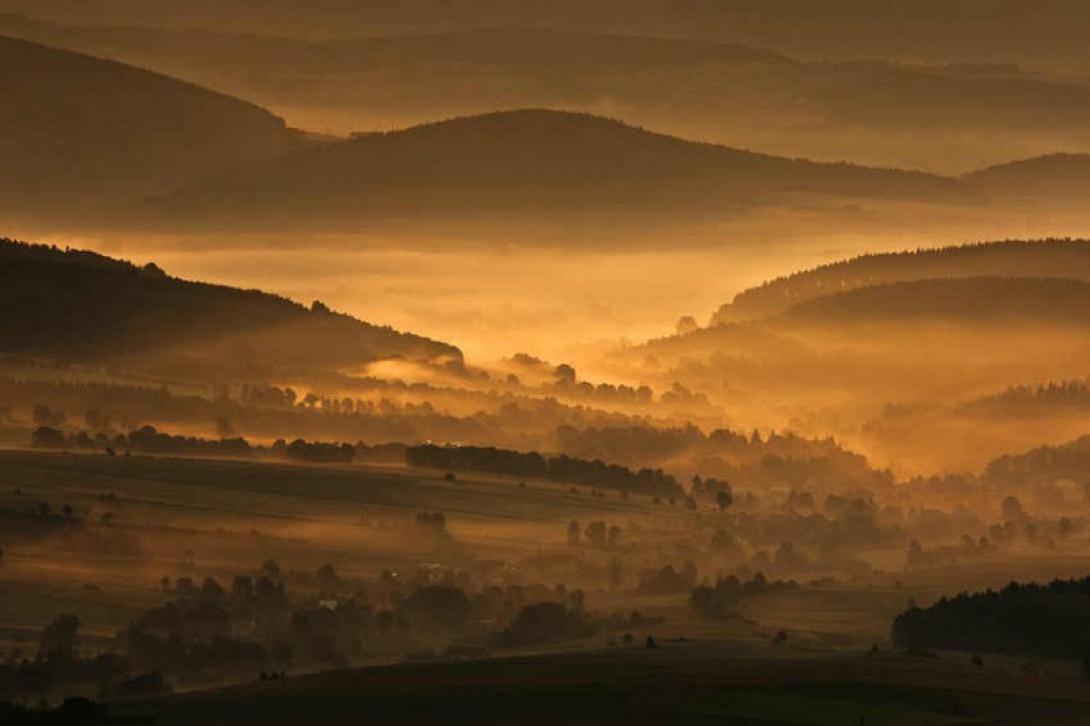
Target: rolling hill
(970, 29)
(79, 306)
(79, 131)
(531, 163)
(1051, 180)
(715, 89)
(1043, 301)
(1010, 258)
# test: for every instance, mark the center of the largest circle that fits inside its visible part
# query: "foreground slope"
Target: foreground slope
(686, 682)
(80, 306)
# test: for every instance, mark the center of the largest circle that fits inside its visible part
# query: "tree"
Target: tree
(437, 607)
(45, 437)
(574, 532)
(60, 636)
(723, 499)
(687, 324)
(1012, 510)
(565, 374)
(45, 416)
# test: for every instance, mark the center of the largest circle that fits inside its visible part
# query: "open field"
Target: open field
(690, 682)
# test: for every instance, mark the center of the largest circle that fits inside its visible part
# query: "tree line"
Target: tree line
(1050, 621)
(532, 464)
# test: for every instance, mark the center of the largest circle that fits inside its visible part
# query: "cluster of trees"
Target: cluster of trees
(1048, 621)
(723, 599)
(148, 440)
(1029, 400)
(555, 468)
(716, 489)
(58, 663)
(409, 412)
(316, 452)
(272, 620)
(668, 580)
(967, 550)
(145, 440)
(596, 534)
(724, 455)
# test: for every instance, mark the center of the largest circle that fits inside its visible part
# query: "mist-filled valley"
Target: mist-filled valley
(610, 363)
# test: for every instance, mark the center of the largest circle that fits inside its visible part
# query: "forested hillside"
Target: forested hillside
(80, 306)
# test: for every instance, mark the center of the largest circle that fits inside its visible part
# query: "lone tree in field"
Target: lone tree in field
(574, 532)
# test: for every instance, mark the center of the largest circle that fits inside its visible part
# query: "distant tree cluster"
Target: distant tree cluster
(668, 580)
(555, 468)
(722, 600)
(316, 452)
(745, 461)
(146, 440)
(1030, 400)
(1048, 621)
(264, 622)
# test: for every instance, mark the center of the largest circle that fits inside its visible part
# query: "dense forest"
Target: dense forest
(1048, 621)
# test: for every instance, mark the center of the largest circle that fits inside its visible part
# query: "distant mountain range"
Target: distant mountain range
(933, 29)
(529, 163)
(942, 116)
(97, 144)
(75, 306)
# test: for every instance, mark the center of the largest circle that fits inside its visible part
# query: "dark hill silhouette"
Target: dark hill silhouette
(1054, 179)
(1041, 301)
(1038, 301)
(1009, 258)
(81, 130)
(1040, 465)
(528, 163)
(80, 306)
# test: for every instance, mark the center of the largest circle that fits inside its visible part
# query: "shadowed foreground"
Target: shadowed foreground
(673, 683)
